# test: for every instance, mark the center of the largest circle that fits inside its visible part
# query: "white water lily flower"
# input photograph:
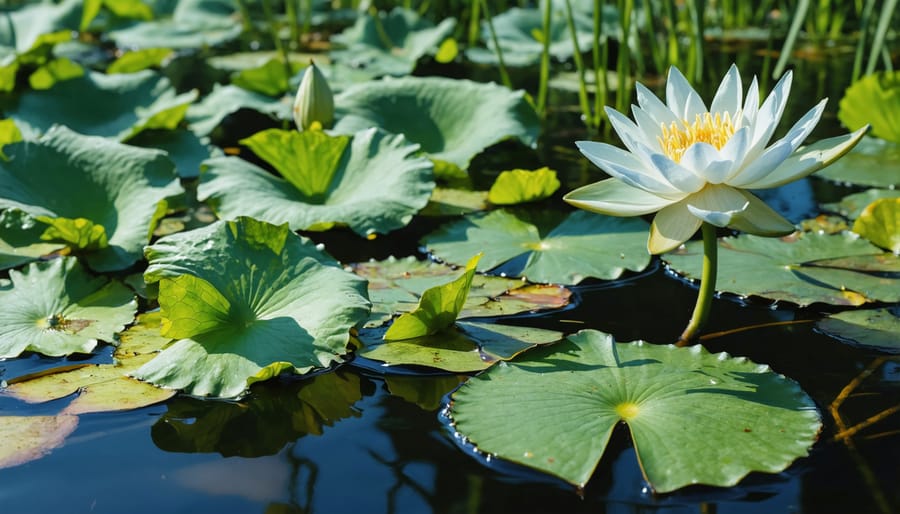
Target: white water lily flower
(694, 164)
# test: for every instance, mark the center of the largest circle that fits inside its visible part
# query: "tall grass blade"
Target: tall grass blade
(796, 23)
(884, 20)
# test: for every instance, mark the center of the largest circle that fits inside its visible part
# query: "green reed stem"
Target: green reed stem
(707, 286)
(884, 21)
(796, 23)
(655, 53)
(623, 66)
(474, 23)
(504, 75)
(579, 68)
(600, 61)
(672, 59)
(864, 21)
(696, 9)
(544, 77)
(276, 39)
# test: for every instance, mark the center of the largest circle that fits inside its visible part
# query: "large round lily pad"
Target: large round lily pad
(694, 417)
(871, 163)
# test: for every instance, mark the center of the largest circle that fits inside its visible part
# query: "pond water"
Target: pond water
(367, 439)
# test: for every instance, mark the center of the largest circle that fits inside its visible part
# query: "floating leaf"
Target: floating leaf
(378, 185)
(520, 186)
(851, 206)
(27, 438)
(189, 24)
(183, 147)
(78, 233)
(467, 346)
(138, 60)
(874, 100)
(872, 328)
(453, 120)
(395, 285)
(242, 295)
(9, 133)
(270, 78)
(803, 269)
(559, 248)
(390, 43)
(555, 408)
(56, 308)
(880, 223)
(56, 70)
(437, 309)
(23, 27)
(119, 187)
(455, 202)
(207, 114)
(871, 163)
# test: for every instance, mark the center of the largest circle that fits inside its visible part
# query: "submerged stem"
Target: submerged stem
(707, 286)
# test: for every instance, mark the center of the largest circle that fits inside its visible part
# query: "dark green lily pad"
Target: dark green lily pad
(56, 308)
(392, 44)
(375, 184)
(247, 300)
(851, 206)
(880, 223)
(870, 328)
(453, 120)
(67, 175)
(555, 408)
(871, 163)
(839, 269)
(426, 392)
(559, 248)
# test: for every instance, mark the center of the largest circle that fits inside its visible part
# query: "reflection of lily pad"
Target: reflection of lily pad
(559, 248)
(880, 223)
(426, 392)
(839, 269)
(871, 163)
(26, 438)
(276, 416)
(57, 308)
(395, 286)
(851, 206)
(375, 184)
(247, 300)
(874, 328)
(453, 120)
(119, 187)
(390, 44)
(555, 408)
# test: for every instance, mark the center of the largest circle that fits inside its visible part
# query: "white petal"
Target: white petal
(728, 96)
(654, 106)
(614, 197)
(707, 162)
(622, 165)
(770, 114)
(759, 219)
(736, 149)
(680, 177)
(751, 103)
(681, 97)
(671, 227)
(805, 125)
(717, 204)
(626, 129)
(808, 160)
(756, 169)
(648, 125)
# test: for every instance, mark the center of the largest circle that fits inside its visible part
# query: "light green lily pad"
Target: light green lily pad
(138, 60)
(467, 346)
(270, 78)
(22, 27)
(555, 408)
(27, 438)
(182, 146)
(871, 328)
(244, 297)
(559, 248)
(880, 223)
(455, 202)
(453, 120)
(520, 186)
(395, 286)
(839, 269)
(851, 206)
(119, 187)
(871, 163)
(189, 24)
(114, 106)
(20, 239)
(56, 308)
(204, 116)
(391, 44)
(376, 185)
(875, 100)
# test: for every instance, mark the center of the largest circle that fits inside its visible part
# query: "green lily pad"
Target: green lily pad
(392, 44)
(555, 408)
(56, 308)
(119, 187)
(559, 248)
(276, 416)
(189, 24)
(27, 438)
(455, 202)
(376, 184)
(467, 346)
(243, 298)
(874, 100)
(395, 286)
(871, 163)
(205, 115)
(128, 9)
(20, 239)
(453, 120)
(851, 206)
(22, 27)
(138, 60)
(838, 269)
(182, 146)
(520, 186)
(270, 78)
(871, 328)
(880, 223)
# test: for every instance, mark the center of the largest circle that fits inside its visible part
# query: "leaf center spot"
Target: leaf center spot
(627, 410)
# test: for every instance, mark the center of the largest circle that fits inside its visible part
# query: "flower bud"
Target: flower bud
(314, 104)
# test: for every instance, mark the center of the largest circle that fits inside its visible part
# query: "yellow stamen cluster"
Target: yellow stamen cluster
(714, 129)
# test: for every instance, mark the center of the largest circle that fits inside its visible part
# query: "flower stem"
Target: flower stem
(707, 286)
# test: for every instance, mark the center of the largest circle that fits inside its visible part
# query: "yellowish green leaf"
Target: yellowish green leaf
(520, 186)
(880, 223)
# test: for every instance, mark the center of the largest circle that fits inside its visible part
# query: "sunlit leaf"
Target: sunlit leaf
(555, 408)
(188, 24)
(455, 202)
(137, 60)
(520, 186)
(57, 308)
(874, 100)
(24, 26)
(57, 70)
(871, 163)
(555, 248)
(270, 78)
(20, 239)
(78, 233)
(447, 52)
(26, 438)
(872, 328)
(880, 223)
(851, 206)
